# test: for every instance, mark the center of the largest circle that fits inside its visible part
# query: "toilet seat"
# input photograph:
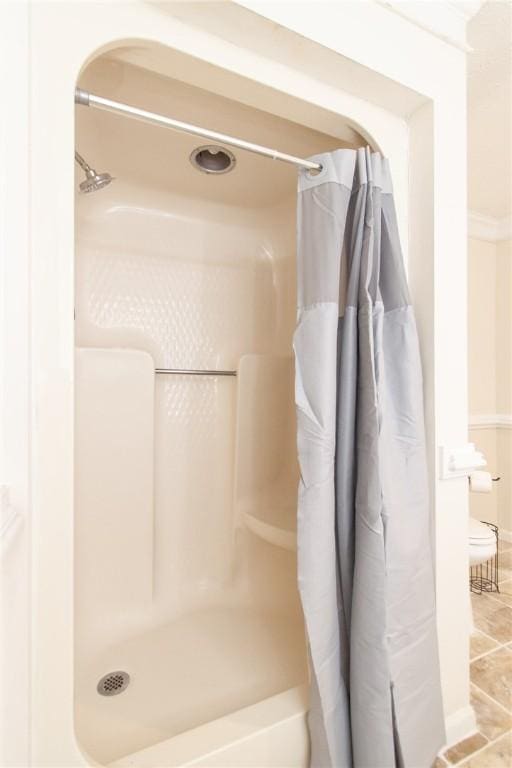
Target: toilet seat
(482, 542)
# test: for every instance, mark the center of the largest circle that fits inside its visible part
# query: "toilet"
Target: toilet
(482, 542)
(482, 546)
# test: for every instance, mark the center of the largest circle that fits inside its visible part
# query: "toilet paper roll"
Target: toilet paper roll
(480, 482)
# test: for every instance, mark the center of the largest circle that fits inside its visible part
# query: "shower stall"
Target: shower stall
(149, 587)
(187, 611)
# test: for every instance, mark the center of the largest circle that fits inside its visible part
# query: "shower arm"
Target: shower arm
(91, 100)
(82, 163)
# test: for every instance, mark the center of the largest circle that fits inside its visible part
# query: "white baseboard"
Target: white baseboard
(460, 725)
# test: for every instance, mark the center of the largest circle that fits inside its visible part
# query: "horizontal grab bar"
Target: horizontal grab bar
(192, 372)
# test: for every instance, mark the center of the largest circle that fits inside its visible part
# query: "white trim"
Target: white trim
(15, 377)
(490, 421)
(459, 725)
(482, 227)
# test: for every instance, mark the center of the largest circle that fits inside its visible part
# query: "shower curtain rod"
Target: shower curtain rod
(91, 100)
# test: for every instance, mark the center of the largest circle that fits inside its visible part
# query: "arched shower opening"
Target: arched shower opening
(188, 626)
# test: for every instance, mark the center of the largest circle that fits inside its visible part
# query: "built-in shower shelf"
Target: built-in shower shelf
(277, 525)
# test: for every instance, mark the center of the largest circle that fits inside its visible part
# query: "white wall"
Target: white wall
(504, 382)
(15, 413)
(490, 370)
(482, 363)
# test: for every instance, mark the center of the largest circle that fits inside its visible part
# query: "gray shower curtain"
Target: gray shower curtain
(365, 565)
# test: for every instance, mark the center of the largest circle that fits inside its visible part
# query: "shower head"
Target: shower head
(93, 180)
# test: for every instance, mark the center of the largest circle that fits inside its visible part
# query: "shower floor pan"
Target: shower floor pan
(202, 684)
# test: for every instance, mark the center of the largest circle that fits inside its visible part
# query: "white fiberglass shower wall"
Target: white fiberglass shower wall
(185, 485)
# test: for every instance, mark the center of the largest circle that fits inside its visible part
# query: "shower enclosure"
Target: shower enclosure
(187, 611)
(117, 558)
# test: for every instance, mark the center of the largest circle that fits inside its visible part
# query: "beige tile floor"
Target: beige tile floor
(491, 678)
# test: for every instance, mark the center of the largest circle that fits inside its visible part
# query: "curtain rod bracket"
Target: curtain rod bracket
(81, 97)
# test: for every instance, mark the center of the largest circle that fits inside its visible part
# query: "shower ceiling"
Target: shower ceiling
(156, 154)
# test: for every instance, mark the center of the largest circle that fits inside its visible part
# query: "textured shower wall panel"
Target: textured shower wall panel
(194, 288)
(113, 490)
(192, 283)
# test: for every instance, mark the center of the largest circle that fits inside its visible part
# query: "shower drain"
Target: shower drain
(113, 683)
